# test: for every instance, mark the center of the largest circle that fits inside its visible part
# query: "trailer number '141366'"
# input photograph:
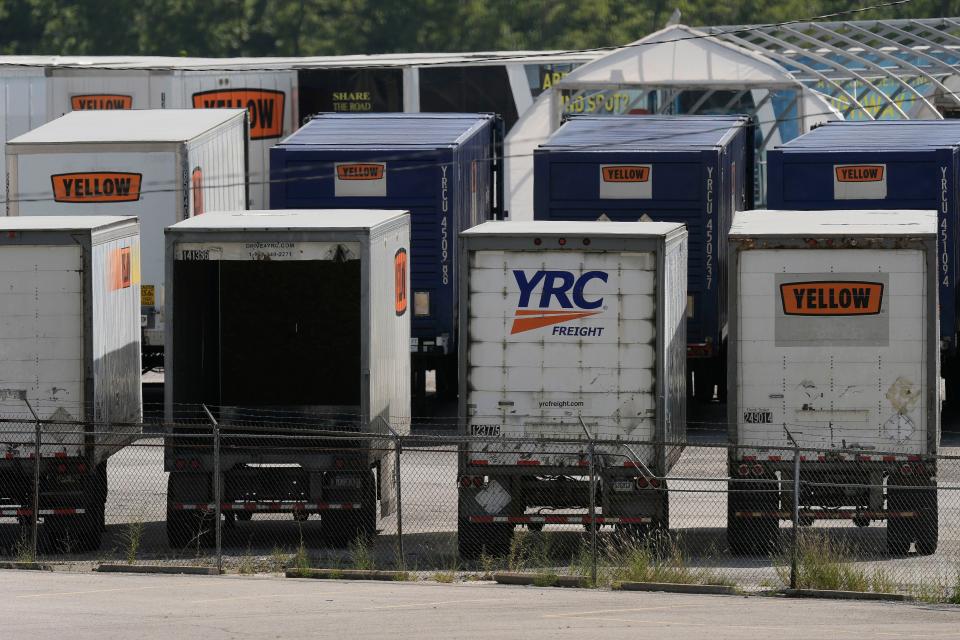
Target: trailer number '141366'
(758, 416)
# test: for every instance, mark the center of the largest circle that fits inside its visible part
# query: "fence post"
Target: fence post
(396, 472)
(36, 486)
(795, 543)
(593, 516)
(397, 446)
(591, 451)
(217, 498)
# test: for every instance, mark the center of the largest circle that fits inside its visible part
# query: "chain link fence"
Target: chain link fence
(298, 493)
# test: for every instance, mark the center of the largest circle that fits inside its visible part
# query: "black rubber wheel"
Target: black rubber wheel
(899, 530)
(473, 539)
(243, 516)
(662, 520)
(927, 526)
(88, 529)
(341, 528)
(755, 535)
(535, 527)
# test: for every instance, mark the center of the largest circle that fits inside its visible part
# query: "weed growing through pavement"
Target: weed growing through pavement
(823, 563)
(131, 536)
(361, 553)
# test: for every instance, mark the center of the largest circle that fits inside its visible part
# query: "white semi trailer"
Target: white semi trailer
(834, 358)
(570, 330)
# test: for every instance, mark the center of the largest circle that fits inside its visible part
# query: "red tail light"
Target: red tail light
(180, 464)
(743, 470)
(61, 468)
(906, 469)
(655, 483)
(642, 482)
(81, 468)
(478, 481)
(194, 464)
(465, 481)
(757, 470)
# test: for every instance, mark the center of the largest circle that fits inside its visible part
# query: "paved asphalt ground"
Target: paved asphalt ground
(80, 606)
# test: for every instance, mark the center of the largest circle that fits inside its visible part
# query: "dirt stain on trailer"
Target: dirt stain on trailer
(902, 395)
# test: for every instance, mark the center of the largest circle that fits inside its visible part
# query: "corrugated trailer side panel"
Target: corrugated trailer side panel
(115, 339)
(214, 170)
(388, 308)
(673, 369)
(389, 311)
(23, 94)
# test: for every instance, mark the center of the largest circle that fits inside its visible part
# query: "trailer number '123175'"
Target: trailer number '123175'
(758, 416)
(485, 430)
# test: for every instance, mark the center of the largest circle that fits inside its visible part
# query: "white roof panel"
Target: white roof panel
(288, 220)
(138, 125)
(815, 224)
(303, 62)
(60, 223)
(573, 228)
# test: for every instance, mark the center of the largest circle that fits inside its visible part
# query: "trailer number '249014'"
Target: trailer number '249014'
(758, 416)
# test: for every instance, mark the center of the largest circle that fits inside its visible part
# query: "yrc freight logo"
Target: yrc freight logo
(96, 187)
(831, 298)
(265, 107)
(100, 101)
(569, 293)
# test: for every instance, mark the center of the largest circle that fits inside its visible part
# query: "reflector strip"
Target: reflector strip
(559, 519)
(16, 513)
(23, 455)
(828, 515)
(268, 506)
(836, 457)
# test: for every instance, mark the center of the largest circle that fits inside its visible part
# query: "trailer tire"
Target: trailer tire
(927, 527)
(899, 534)
(754, 535)
(341, 528)
(89, 529)
(662, 520)
(473, 540)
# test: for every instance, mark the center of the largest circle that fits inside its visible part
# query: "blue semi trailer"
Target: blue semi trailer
(691, 169)
(879, 165)
(444, 168)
